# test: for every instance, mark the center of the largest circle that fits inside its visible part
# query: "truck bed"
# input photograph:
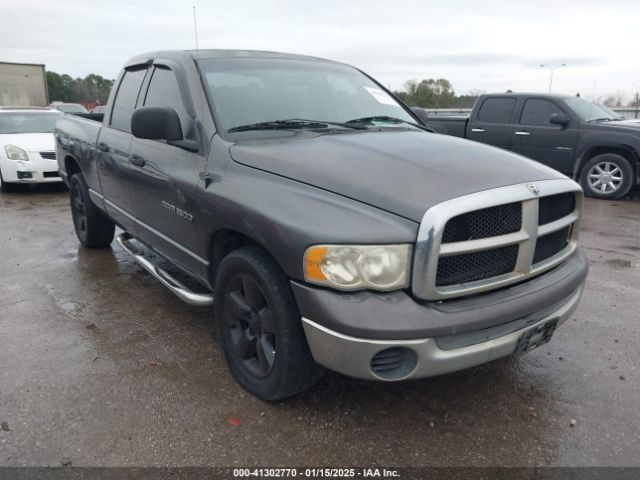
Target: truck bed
(454, 125)
(78, 134)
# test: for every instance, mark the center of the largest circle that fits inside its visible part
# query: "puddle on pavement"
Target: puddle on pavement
(618, 263)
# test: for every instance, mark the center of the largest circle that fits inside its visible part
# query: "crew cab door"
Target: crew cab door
(537, 138)
(112, 147)
(492, 123)
(164, 177)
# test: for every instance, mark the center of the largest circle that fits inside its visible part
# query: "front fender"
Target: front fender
(286, 216)
(596, 140)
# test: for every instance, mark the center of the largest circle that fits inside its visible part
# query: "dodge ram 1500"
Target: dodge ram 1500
(320, 220)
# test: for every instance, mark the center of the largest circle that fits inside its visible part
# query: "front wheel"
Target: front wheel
(608, 176)
(92, 227)
(260, 328)
(7, 187)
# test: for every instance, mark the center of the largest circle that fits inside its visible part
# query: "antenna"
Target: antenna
(195, 29)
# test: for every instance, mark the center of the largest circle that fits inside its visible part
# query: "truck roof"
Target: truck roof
(527, 94)
(214, 53)
(219, 54)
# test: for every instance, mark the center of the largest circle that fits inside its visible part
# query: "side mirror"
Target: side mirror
(559, 119)
(156, 123)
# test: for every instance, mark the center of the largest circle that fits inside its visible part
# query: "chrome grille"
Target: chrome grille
(488, 222)
(470, 267)
(551, 244)
(554, 207)
(495, 238)
(48, 155)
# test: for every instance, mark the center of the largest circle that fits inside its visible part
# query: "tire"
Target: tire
(92, 227)
(607, 176)
(260, 328)
(7, 187)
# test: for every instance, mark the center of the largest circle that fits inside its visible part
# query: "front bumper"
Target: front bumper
(356, 357)
(346, 331)
(35, 170)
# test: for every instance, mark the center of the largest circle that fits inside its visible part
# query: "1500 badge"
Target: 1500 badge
(178, 211)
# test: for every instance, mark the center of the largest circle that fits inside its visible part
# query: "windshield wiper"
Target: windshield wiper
(603, 119)
(291, 124)
(388, 119)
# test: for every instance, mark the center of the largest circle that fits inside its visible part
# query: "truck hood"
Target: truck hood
(621, 126)
(402, 172)
(31, 142)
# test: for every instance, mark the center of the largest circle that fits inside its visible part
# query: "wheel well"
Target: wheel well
(223, 243)
(627, 153)
(71, 166)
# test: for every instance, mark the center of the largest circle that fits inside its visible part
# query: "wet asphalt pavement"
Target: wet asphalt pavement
(103, 366)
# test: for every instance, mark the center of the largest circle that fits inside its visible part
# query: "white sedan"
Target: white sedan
(27, 146)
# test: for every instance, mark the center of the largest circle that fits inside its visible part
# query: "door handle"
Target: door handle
(137, 160)
(103, 147)
(206, 178)
(520, 132)
(479, 130)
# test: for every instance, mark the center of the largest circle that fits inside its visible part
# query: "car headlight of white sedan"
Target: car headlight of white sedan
(15, 153)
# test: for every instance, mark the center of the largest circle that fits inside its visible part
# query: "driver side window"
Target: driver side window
(164, 91)
(538, 112)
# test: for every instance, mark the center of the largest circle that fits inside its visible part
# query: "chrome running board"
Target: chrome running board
(177, 287)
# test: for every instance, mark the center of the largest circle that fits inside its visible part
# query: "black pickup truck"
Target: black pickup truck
(581, 139)
(323, 223)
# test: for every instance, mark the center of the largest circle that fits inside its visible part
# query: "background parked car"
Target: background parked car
(27, 146)
(581, 139)
(69, 107)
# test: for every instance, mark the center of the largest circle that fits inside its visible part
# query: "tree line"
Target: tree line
(618, 99)
(91, 89)
(439, 93)
(435, 93)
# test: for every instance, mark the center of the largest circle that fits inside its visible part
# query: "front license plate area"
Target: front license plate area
(536, 337)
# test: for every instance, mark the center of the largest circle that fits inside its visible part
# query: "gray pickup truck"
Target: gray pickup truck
(581, 139)
(324, 224)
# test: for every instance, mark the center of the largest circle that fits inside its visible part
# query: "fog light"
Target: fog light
(23, 175)
(394, 363)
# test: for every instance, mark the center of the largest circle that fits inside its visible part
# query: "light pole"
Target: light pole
(552, 68)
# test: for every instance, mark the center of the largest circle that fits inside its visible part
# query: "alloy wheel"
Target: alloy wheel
(249, 318)
(605, 177)
(79, 209)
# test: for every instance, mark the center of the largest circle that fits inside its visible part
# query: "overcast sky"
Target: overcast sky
(490, 45)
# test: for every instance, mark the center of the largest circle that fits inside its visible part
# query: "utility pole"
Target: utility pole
(551, 69)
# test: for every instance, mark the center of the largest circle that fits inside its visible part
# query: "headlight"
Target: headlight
(355, 267)
(15, 153)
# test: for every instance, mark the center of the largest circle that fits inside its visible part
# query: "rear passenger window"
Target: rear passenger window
(537, 111)
(164, 92)
(497, 110)
(125, 101)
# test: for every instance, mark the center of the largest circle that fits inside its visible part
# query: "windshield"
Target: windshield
(72, 108)
(21, 122)
(613, 114)
(589, 111)
(247, 91)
